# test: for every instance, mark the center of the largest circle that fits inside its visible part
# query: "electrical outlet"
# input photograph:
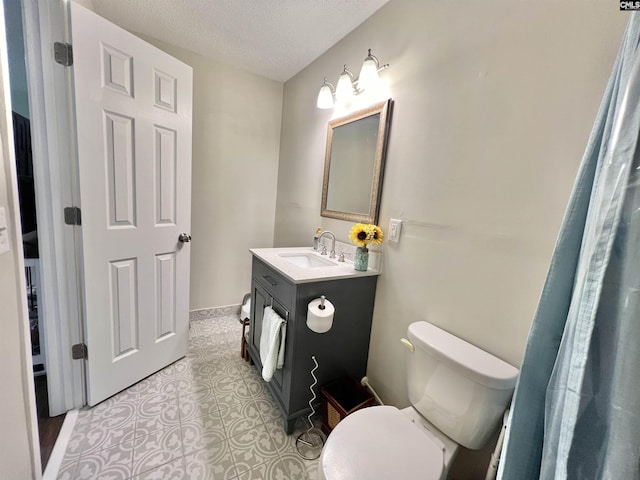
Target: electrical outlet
(395, 226)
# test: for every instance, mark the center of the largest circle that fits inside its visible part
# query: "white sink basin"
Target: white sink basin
(307, 260)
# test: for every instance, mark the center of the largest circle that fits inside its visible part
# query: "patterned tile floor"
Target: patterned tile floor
(207, 416)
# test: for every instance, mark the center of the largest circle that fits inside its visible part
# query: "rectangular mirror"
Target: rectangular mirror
(354, 164)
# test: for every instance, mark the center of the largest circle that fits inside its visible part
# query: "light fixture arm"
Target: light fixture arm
(327, 83)
(371, 56)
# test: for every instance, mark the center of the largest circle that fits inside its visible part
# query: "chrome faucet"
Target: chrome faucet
(333, 244)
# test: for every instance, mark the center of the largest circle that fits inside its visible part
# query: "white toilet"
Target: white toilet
(458, 395)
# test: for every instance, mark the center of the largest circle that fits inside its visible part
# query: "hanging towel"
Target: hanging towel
(274, 331)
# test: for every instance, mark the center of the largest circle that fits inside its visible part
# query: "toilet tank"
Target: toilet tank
(459, 388)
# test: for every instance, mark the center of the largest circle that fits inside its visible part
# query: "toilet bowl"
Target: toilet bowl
(384, 443)
(458, 393)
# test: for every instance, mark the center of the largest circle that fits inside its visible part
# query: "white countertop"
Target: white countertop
(274, 258)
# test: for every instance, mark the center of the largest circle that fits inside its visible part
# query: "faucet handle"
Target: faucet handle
(341, 257)
(324, 250)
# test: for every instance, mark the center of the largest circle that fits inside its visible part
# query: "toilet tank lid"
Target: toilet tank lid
(481, 366)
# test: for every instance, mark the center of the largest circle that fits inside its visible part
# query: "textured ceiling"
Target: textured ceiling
(272, 38)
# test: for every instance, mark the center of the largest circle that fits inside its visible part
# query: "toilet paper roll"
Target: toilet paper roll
(320, 320)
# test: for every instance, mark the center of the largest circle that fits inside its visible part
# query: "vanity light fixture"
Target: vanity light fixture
(348, 85)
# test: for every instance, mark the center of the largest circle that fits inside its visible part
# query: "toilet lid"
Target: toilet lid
(380, 443)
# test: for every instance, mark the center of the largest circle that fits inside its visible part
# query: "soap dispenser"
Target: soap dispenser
(316, 239)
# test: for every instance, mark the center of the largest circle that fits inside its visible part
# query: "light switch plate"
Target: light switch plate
(395, 226)
(4, 232)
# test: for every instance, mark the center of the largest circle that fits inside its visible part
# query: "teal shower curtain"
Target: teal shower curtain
(576, 409)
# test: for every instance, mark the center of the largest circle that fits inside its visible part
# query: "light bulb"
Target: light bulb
(369, 78)
(344, 88)
(325, 95)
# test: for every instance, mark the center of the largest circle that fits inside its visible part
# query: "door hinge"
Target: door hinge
(79, 351)
(72, 216)
(63, 53)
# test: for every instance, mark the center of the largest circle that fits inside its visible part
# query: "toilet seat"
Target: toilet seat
(380, 443)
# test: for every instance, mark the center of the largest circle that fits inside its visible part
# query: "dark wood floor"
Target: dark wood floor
(48, 427)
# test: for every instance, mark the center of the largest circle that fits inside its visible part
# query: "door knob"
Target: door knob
(184, 237)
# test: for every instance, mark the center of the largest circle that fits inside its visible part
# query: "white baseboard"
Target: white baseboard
(59, 449)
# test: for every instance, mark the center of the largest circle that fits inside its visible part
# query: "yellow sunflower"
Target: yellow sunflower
(359, 234)
(376, 234)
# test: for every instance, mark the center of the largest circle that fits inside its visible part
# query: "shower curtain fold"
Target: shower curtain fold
(576, 409)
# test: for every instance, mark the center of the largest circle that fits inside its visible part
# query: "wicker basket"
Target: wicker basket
(340, 398)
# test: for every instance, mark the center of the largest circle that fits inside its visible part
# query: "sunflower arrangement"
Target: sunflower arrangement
(363, 233)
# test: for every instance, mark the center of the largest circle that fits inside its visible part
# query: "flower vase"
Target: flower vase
(361, 260)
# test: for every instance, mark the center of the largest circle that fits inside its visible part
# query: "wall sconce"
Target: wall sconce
(347, 85)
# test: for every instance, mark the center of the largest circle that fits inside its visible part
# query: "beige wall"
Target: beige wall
(17, 459)
(494, 102)
(236, 136)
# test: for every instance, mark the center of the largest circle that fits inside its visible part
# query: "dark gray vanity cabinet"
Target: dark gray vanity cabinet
(342, 351)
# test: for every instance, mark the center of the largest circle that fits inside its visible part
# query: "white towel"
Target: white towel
(272, 347)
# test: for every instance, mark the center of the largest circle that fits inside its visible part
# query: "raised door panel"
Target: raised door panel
(166, 291)
(120, 165)
(166, 172)
(124, 307)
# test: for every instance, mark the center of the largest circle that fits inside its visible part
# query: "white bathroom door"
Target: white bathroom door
(133, 124)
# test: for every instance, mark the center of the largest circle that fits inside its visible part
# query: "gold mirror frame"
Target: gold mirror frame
(383, 110)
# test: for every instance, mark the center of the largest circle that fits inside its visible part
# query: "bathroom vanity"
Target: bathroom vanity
(287, 280)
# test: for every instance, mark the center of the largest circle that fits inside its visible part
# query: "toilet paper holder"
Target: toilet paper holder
(320, 314)
(322, 300)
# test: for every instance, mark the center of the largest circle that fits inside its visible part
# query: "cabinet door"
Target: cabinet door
(261, 299)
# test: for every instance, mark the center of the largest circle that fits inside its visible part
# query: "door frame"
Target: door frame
(30, 462)
(55, 172)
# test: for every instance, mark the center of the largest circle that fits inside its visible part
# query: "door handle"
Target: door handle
(184, 237)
